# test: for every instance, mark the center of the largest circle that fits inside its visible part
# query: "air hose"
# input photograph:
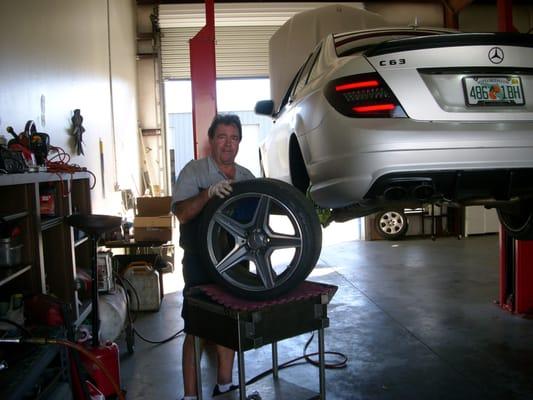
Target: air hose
(77, 347)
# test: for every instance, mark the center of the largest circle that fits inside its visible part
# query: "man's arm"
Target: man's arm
(187, 209)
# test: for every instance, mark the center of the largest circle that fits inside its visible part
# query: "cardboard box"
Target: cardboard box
(148, 229)
(153, 221)
(153, 206)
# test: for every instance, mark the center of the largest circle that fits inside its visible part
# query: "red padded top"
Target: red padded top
(303, 291)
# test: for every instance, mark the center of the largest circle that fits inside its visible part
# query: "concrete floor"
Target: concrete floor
(417, 320)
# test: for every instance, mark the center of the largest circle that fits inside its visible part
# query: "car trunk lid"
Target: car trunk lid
(459, 77)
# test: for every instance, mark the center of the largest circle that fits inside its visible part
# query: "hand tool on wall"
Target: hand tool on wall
(77, 131)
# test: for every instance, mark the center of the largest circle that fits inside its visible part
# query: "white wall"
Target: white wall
(59, 49)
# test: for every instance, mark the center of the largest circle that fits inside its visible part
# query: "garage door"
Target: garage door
(242, 34)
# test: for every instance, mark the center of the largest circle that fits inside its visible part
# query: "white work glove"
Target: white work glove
(220, 189)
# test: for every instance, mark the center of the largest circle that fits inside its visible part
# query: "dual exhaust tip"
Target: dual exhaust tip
(421, 192)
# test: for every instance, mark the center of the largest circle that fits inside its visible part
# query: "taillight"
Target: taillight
(364, 95)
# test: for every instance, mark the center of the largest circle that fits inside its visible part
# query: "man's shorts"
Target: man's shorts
(194, 274)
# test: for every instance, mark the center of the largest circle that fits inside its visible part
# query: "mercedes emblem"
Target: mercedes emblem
(496, 55)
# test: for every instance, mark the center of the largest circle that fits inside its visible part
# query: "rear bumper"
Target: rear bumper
(352, 161)
(495, 184)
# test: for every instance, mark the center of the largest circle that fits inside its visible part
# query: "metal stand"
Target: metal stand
(257, 324)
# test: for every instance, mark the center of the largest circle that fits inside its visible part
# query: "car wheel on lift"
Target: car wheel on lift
(391, 224)
(261, 241)
(517, 220)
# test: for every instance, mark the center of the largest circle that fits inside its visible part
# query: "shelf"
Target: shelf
(146, 56)
(85, 308)
(52, 262)
(81, 241)
(50, 223)
(9, 274)
(151, 132)
(39, 177)
(14, 216)
(145, 36)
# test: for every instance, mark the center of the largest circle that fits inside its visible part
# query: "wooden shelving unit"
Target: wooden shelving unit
(51, 256)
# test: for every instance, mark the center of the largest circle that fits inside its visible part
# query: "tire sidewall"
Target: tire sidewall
(303, 212)
(398, 235)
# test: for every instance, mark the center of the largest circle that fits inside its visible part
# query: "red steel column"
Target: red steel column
(516, 274)
(523, 276)
(505, 16)
(203, 80)
(507, 264)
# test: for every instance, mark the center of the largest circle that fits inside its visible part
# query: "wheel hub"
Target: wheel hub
(392, 222)
(257, 239)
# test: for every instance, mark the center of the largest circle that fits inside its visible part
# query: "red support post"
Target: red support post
(524, 276)
(505, 16)
(506, 298)
(516, 274)
(203, 80)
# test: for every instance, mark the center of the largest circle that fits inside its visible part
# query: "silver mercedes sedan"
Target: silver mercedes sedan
(395, 117)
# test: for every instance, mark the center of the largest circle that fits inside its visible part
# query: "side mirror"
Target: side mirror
(264, 107)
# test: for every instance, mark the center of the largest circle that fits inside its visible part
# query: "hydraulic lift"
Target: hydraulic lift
(516, 274)
(243, 325)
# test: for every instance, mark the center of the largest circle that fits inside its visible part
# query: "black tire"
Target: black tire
(391, 224)
(517, 220)
(261, 241)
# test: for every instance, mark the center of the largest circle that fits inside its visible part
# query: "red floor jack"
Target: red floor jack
(516, 274)
(107, 354)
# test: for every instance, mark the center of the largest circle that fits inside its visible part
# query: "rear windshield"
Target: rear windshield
(355, 42)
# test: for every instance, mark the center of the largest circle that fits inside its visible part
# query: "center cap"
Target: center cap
(257, 239)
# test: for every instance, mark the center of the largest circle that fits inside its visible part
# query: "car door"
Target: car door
(275, 153)
(277, 145)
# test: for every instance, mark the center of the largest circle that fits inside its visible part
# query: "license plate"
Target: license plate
(493, 90)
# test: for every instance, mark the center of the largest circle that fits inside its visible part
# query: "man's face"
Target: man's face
(225, 144)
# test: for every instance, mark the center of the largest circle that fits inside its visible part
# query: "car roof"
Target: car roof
(291, 44)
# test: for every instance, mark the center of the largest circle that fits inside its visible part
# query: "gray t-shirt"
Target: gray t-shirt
(198, 175)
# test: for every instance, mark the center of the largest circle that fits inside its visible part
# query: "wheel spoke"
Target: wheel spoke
(280, 241)
(231, 259)
(233, 227)
(260, 219)
(264, 270)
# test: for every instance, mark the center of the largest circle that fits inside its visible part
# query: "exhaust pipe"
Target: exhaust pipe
(423, 192)
(395, 193)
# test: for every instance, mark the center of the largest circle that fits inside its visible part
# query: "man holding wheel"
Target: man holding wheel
(198, 182)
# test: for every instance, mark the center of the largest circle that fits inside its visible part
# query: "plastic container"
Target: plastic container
(10, 254)
(145, 292)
